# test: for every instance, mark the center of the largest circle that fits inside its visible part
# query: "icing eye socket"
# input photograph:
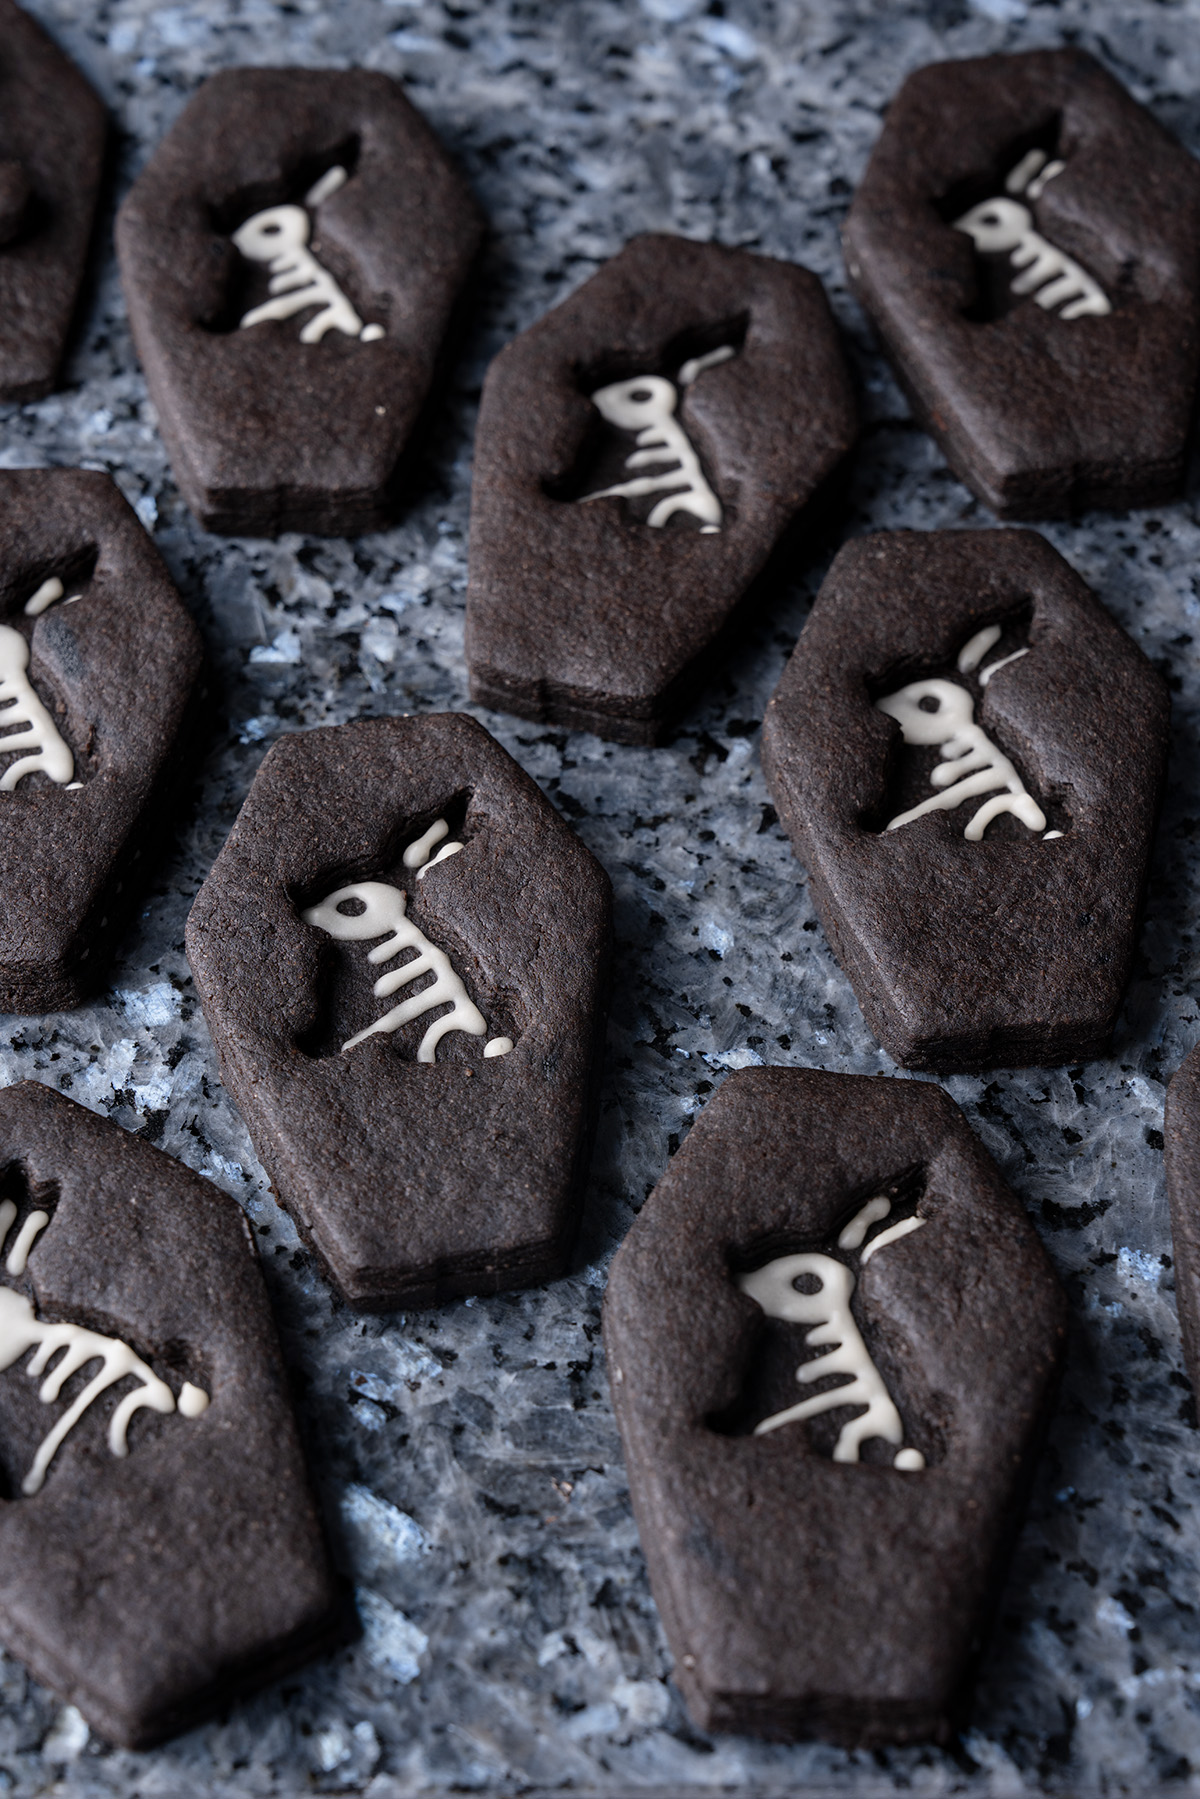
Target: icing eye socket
(352, 908)
(641, 395)
(930, 703)
(808, 1283)
(271, 230)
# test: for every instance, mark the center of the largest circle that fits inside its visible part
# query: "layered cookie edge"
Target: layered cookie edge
(805, 1591)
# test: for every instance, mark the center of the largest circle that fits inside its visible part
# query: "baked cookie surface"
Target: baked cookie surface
(1024, 239)
(379, 873)
(640, 452)
(99, 665)
(159, 1549)
(52, 137)
(967, 753)
(822, 1568)
(291, 256)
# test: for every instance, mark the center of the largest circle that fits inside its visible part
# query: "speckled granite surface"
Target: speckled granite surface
(468, 1457)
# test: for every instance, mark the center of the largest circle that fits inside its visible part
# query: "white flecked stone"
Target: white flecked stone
(519, 1649)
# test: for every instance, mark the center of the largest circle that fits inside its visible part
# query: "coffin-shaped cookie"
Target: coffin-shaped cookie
(52, 132)
(967, 753)
(1182, 1142)
(291, 257)
(98, 664)
(402, 955)
(158, 1543)
(831, 1338)
(1025, 240)
(639, 453)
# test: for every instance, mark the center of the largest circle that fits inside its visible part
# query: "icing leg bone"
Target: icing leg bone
(22, 1330)
(418, 854)
(646, 406)
(279, 237)
(1006, 224)
(1031, 174)
(27, 1236)
(385, 915)
(833, 1328)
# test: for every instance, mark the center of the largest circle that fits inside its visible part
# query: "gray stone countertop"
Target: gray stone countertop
(467, 1457)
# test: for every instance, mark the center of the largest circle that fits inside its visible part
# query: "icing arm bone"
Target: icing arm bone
(1032, 173)
(419, 855)
(27, 1236)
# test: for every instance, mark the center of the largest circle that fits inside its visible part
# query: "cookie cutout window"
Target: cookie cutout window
(814, 1340)
(1014, 260)
(63, 1350)
(377, 912)
(945, 747)
(276, 243)
(644, 451)
(31, 741)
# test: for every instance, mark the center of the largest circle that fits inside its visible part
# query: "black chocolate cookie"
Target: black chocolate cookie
(291, 257)
(98, 662)
(824, 1558)
(967, 753)
(1181, 1133)
(640, 451)
(158, 1545)
(1025, 240)
(52, 132)
(424, 1152)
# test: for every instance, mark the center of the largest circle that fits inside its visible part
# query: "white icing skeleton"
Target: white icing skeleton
(646, 405)
(279, 237)
(832, 1327)
(20, 705)
(385, 914)
(22, 1330)
(971, 763)
(999, 225)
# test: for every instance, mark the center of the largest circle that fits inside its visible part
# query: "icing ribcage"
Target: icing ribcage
(385, 914)
(75, 1346)
(279, 237)
(833, 1329)
(19, 705)
(1005, 225)
(646, 405)
(20, 1330)
(972, 765)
